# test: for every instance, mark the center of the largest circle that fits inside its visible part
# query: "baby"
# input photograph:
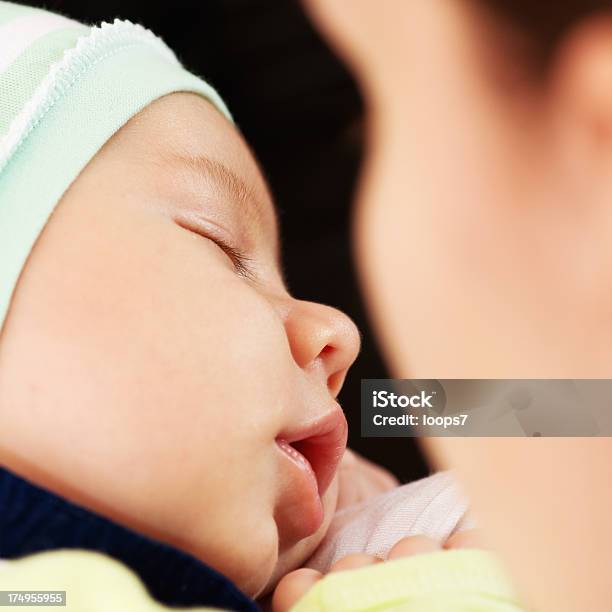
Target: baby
(155, 373)
(152, 338)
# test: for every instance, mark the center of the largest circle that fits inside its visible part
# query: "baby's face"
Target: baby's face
(153, 363)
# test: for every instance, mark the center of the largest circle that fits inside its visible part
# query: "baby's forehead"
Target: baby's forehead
(184, 125)
(185, 141)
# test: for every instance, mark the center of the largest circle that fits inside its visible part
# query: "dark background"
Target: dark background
(303, 116)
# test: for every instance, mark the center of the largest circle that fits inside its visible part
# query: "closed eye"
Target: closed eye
(240, 261)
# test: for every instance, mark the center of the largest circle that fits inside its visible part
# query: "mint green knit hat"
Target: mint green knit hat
(65, 89)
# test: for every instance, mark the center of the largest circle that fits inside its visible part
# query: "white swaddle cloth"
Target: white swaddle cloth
(433, 506)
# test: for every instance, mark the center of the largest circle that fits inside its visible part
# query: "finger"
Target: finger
(292, 587)
(354, 561)
(349, 459)
(413, 545)
(367, 481)
(377, 472)
(348, 494)
(384, 478)
(470, 538)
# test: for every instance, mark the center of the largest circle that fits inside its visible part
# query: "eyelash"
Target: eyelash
(241, 262)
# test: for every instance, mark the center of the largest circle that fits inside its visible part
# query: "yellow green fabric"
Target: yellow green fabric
(93, 582)
(444, 581)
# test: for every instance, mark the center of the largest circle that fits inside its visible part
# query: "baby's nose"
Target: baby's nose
(321, 333)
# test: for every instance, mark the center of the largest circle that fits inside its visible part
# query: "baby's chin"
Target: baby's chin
(295, 556)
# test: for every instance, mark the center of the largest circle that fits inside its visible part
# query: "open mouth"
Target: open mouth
(317, 448)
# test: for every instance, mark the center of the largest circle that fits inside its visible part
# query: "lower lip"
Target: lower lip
(313, 511)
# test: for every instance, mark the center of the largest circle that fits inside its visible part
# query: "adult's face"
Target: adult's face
(482, 238)
(483, 242)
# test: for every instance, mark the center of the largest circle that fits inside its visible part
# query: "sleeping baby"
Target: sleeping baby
(165, 404)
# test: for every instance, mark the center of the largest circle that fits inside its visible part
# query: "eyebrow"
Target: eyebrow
(223, 177)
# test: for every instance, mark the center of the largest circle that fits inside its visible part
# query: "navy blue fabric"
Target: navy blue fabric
(33, 519)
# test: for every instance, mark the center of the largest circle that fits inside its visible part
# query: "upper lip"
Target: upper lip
(322, 442)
